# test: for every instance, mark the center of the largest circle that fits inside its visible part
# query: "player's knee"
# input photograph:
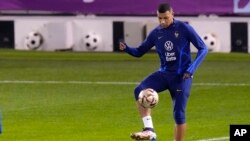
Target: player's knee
(137, 92)
(179, 117)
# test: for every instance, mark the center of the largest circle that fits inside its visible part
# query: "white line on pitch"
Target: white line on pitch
(65, 82)
(222, 84)
(106, 83)
(215, 139)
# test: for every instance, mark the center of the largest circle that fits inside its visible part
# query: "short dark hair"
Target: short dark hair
(163, 7)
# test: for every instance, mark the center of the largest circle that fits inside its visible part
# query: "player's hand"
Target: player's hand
(122, 46)
(187, 75)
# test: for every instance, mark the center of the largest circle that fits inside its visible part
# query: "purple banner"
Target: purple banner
(129, 7)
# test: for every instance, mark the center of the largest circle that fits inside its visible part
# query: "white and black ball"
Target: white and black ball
(148, 98)
(92, 41)
(33, 40)
(211, 41)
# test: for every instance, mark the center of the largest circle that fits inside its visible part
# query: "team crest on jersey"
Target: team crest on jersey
(176, 34)
(168, 45)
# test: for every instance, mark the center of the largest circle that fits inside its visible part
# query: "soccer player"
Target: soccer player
(172, 40)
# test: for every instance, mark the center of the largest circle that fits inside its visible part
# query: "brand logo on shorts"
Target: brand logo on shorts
(179, 90)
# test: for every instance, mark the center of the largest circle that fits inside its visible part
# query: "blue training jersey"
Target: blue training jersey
(173, 47)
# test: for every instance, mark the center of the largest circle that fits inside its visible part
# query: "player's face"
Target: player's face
(165, 19)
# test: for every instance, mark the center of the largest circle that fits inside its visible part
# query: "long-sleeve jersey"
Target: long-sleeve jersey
(173, 47)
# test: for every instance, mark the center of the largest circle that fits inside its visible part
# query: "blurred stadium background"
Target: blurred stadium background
(62, 76)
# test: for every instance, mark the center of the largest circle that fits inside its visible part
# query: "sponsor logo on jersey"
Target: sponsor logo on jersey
(170, 55)
(168, 45)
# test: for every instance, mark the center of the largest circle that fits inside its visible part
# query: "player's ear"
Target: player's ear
(172, 12)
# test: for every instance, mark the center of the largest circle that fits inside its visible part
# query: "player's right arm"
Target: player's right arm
(139, 51)
(122, 46)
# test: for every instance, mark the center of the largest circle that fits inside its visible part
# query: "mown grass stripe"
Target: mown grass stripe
(106, 83)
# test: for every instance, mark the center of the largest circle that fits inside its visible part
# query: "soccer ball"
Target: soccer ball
(211, 41)
(91, 41)
(33, 40)
(148, 98)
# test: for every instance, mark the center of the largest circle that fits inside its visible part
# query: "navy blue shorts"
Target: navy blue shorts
(178, 87)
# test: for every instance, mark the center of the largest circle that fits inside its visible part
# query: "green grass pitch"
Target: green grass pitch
(66, 96)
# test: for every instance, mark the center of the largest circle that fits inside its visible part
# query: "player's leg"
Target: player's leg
(179, 132)
(145, 114)
(180, 93)
(148, 132)
(154, 81)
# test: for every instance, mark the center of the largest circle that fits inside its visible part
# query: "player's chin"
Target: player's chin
(164, 25)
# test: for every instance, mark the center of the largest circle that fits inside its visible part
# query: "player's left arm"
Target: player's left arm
(202, 50)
